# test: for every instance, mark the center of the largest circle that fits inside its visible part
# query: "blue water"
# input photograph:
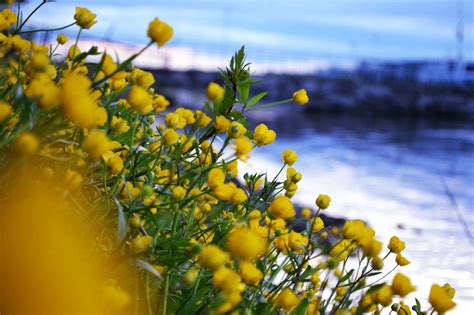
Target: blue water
(391, 173)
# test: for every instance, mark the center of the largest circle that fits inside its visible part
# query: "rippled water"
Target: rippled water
(392, 174)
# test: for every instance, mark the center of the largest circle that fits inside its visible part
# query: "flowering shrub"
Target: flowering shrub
(157, 196)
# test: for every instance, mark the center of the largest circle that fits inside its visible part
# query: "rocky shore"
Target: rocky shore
(344, 92)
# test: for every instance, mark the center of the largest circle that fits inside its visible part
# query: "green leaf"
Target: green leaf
(301, 309)
(346, 276)
(256, 98)
(92, 51)
(244, 89)
(309, 271)
(237, 116)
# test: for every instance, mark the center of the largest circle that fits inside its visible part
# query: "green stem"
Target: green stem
(48, 29)
(29, 16)
(269, 105)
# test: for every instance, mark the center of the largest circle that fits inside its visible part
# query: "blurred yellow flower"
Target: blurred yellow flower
(395, 245)
(249, 273)
(323, 201)
(84, 17)
(159, 32)
(289, 157)
(281, 207)
(401, 285)
(246, 244)
(215, 92)
(300, 97)
(61, 39)
(440, 299)
(27, 143)
(96, 144)
(213, 257)
(287, 299)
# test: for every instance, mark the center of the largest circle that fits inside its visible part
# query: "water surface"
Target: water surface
(394, 175)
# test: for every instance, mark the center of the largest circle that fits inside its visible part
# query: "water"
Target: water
(391, 174)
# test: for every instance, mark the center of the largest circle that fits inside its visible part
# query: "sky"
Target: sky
(333, 30)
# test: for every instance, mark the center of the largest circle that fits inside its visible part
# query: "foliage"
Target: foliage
(200, 240)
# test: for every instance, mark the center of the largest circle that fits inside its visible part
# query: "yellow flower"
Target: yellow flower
(404, 310)
(73, 179)
(27, 143)
(215, 177)
(215, 92)
(238, 196)
(236, 130)
(61, 39)
(287, 299)
(73, 51)
(114, 297)
(127, 191)
(377, 263)
(242, 148)
(78, 104)
(178, 192)
(300, 97)
(323, 201)
(190, 276)
(108, 65)
(213, 257)
(170, 137)
(306, 213)
(160, 103)
(202, 120)
(401, 285)
(43, 91)
(371, 247)
(119, 125)
(159, 32)
(84, 18)
(7, 19)
(317, 224)
(39, 61)
(5, 110)
(96, 144)
(222, 124)
(140, 244)
(232, 167)
(227, 280)
(281, 207)
(297, 242)
(401, 260)
(315, 278)
(341, 249)
(19, 44)
(449, 289)
(440, 299)
(249, 273)
(289, 157)
(246, 244)
(140, 100)
(172, 120)
(116, 164)
(383, 295)
(141, 78)
(395, 245)
(263, 136)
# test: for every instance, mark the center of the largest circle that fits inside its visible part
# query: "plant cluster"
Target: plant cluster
(200, 238)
